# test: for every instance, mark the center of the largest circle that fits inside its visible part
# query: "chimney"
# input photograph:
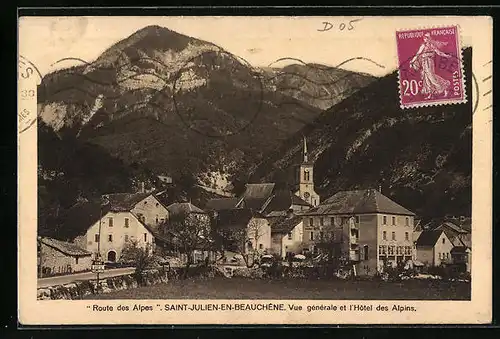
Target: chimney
(142, 187)
(380, 188)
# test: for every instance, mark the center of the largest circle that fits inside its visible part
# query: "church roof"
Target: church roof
(359, 202)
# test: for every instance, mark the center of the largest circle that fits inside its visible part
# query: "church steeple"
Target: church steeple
(305, 149)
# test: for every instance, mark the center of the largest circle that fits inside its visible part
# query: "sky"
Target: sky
(259, 40)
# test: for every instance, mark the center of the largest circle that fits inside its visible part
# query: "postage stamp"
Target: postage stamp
(430, 67)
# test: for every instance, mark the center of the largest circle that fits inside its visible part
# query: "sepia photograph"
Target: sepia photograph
(224, 164)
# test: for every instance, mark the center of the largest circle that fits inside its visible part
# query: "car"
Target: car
(267, 260)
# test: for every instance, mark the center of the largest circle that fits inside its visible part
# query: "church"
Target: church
(280, 207)
(304, 179)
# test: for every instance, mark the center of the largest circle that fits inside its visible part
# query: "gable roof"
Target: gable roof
(121, 202)
(178, 208)
(285, 225)
(65, 247)
(237, 218)
(283, 200)
(451, 226)
(256, 195)
(359, 202)
(76, 220)
(221, 204)
(429, 238)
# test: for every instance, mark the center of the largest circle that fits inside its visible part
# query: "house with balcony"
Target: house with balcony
(368, 229)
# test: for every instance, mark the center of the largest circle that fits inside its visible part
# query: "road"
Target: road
(66, 279)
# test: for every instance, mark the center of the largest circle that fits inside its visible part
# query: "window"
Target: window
(290, 236)
(311, 222)
(157, 219)
(145, 237)
(321, 235)
(96, 238)
(311, 236)
(306, 175)
(393, 235)
(333, 235)
(162, 220)
(126, 222)
(110, 238)
(391, 250)
(110, 221)
(365, 252)
(407, 221)
(261, 246)
(407, 236)
(384, 220)
(157, 204)
(443, 240)
(321, 221)
(332, 221)
(394, 220)
(384, 235)
(126, 237)
(76, 260)
(357, 219)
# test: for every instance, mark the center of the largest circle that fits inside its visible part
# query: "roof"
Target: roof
(256, 195)
(359, 202)
(183, 208)
(448, 225)
(65, 247)
(237, 218)
(429, 238)
(120, 202)
(459, 249)
(283, 200)
(77, 220)
(221, 204)
(285, 225)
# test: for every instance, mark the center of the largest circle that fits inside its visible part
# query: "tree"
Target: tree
(141, 256)
(243, 241)
(189, 232)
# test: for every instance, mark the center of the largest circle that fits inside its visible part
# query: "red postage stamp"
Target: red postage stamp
(430, 67)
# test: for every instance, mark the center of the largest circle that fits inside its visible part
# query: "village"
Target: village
(362, 231)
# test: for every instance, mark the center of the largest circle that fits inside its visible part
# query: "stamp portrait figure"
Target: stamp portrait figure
(424, 60)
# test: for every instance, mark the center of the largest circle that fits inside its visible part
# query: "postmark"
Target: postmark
(430, 67)
(28, 79)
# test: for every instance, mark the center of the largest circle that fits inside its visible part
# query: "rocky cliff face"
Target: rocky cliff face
(176, 105)
(422, 157)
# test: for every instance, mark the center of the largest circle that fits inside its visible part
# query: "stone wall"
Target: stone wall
(80, 289)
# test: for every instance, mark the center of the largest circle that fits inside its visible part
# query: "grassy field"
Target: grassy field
(241, 288)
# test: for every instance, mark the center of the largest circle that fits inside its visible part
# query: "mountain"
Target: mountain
(176, 105)
(421, 157)
(316, 85)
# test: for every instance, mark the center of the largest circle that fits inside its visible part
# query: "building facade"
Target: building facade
(60, 257)
(369, 229)
(109, 235)
(287, 235)
(434, 248)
